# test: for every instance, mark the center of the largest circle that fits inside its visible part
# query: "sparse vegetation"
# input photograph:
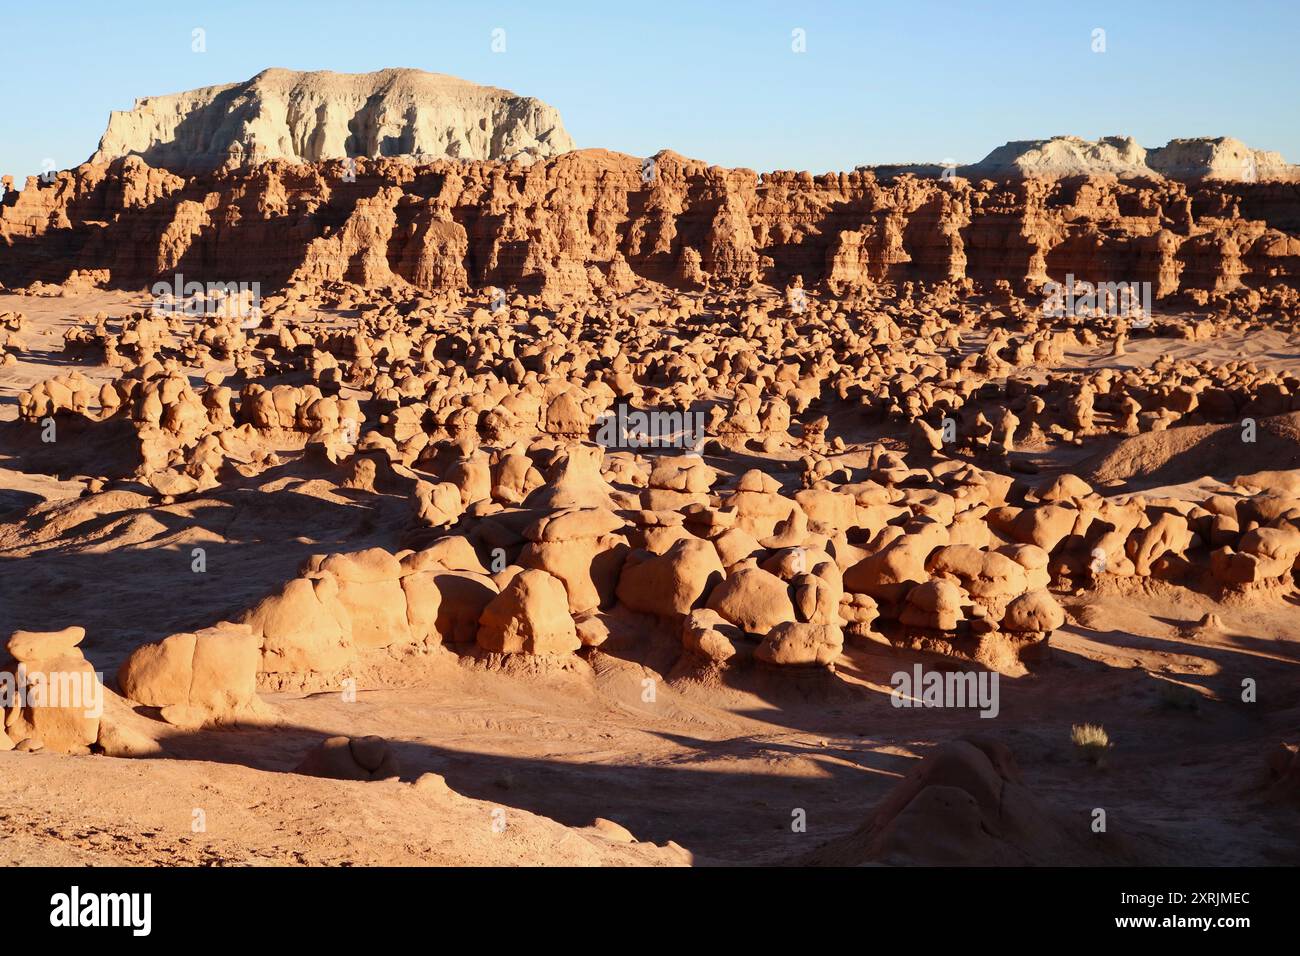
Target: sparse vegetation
(1091, 740)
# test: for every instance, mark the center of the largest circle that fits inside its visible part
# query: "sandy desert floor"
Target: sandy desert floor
(530, 752)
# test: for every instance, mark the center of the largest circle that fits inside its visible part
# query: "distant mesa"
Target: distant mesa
(1222, 158)
(309, 117)
(316, 116)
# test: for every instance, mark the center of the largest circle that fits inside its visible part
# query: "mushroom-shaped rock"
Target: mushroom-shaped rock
(529, 616)
(934, 605)
(580, 547)
(60, 699)
(671, 583)
(41, 645)
(990, 578)
(370, 591)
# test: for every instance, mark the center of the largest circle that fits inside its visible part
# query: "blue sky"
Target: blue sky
(918, 80)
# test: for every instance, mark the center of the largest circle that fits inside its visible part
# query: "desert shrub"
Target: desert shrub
(1092, 741)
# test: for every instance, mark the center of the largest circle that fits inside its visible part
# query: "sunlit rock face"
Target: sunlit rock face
(309, 117)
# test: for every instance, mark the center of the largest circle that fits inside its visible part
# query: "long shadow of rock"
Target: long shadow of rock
(966, 804)
(736, 816)
(134, 576)
(82, 447)
(1191, 452)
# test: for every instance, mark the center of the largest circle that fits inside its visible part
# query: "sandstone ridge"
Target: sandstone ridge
(589, 221)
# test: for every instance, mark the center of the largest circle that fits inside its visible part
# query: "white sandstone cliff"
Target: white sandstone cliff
(309, 117)
(1221, 158)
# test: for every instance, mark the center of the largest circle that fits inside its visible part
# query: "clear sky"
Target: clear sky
(879, 82)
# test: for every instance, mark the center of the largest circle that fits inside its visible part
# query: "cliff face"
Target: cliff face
(1221, 158)
(309, 117)
(1065, 156)
(588, 219)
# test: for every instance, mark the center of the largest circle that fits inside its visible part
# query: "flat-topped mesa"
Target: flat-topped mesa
(1203, 158)
(315, 116)
(1220, 158)
(1063, 156)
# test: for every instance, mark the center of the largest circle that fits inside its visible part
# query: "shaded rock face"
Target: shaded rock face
(308, 117)
(965, 804)
(588, 221)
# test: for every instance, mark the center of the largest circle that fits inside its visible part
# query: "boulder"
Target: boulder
(707, 634)
(799, 644)
(208, 677)
(1034, 611)
(529, 616)
(303, 628)
(673, 583)
(753, 599)
(53, 693)
(370, 592)
(350, 758)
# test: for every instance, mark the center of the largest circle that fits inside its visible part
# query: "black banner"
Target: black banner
(302, 906)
